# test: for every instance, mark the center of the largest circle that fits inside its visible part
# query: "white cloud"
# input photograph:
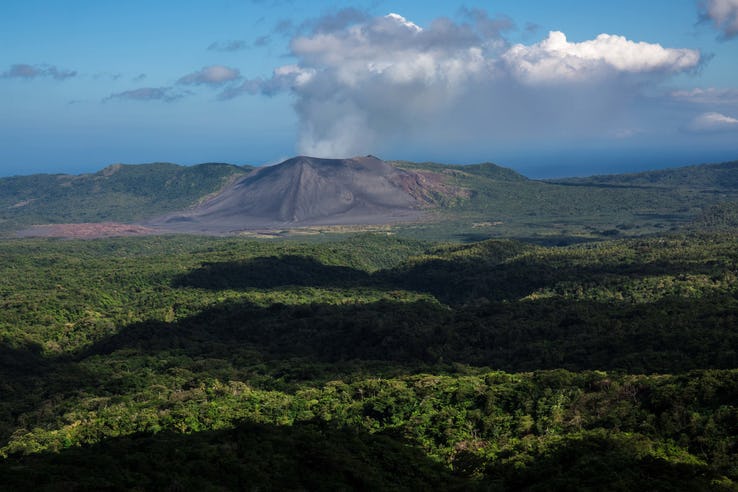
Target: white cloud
(212, 75)
(713, 122)
(710, 95)
(398, 19)
(383, 81)
(555, 58)
(723, 14)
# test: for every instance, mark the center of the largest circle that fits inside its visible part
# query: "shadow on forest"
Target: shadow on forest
(19, 361)
(451, 281)
(268, 272)
(315, 455)
(597, 460)
(666, 336)
(283, 346)
(251, 456)
(457, 282)
(486, 325)
(22, 371)
(27, 378)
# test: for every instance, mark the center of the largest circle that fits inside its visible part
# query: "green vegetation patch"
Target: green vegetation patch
(120, 192)
(387, 363)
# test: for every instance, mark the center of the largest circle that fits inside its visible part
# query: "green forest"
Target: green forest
(370, 361)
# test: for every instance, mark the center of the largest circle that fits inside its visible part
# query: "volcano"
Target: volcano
(306, 191)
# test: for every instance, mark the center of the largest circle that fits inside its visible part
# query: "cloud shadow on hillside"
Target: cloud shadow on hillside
(497, 276)
(251, 456)
(268, 272)
(665, 336)
(315, 455)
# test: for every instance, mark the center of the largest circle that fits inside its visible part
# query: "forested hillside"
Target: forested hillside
(715, 177)
(119, 192)
(503, 204)
(369, 362)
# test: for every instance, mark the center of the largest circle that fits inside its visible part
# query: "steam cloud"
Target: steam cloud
(363, 86)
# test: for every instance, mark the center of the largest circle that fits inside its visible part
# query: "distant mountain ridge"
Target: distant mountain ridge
(722, 176)
(434, 200)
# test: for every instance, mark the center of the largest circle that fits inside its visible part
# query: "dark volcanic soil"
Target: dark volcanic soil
(306, 191)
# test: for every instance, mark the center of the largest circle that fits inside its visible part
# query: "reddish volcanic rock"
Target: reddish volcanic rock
(87, 230)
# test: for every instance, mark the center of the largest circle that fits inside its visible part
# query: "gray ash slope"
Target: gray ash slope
(305, 191)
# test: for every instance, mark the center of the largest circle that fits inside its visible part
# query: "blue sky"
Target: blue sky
(569, 87)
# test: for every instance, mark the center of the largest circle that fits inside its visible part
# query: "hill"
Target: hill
(308, 191)
(485, 169)
(120, 192)
(723, 176)
(422, 200)
(502, 203)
